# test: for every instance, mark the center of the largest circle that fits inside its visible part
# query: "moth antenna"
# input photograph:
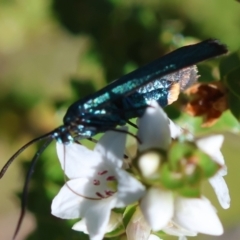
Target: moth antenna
(93, 140)
(27, 180)
(125, 131)
(132, 124)
(9, 162)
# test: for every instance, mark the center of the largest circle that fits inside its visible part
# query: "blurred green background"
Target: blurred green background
(53, 52)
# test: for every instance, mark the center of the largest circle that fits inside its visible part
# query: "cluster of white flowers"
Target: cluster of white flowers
(151, 205)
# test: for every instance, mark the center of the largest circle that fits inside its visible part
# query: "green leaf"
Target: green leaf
(128, 213)
(207, 165)
(190, 191)
(234, 105)
(178, 151)
(233, 82)
(170, 179)
(194, 177)
(160, 234)
(116, 232)
(205, 72)
(229, 63)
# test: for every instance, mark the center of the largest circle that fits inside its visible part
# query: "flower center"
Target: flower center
(106, 184)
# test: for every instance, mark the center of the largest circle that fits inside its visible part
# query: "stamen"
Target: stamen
(99, 195)
(109, 193)
(111, 178)
(96, 182)
(102, 173)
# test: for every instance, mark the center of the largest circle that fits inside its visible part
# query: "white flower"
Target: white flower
(197, 215)
(191, 215)
(173, 229)
(160, 206)
(97, 183)
(211, 145)
(157, 207)
(154, 131)
(114, 222)
(138, 228)
(153, 237)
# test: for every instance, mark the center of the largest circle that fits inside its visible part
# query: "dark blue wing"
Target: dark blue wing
(127, 84)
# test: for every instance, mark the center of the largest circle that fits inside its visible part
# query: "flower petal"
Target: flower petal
(153, 128)
(197, 215)
(153, 237)
(182, 238)
(114, 222)
(175, 130)
(129, 188)
(173, 229)
(77, 161)
(80, 226)
(149, 164)
(66, 204)
(137, 227)
(97, 218)
(157, 207)
(112, 145)
(221, 190)
(211, 145)
(73, 199)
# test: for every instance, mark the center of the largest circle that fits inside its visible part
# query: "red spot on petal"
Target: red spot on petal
(111, 178)
(109, 193)
(102, 173)
(96, 182)
(99, 195)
